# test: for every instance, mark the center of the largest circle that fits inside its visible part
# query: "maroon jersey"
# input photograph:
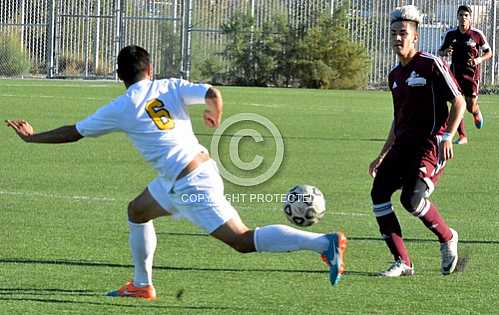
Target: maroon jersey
(466, 46)
(420, 91)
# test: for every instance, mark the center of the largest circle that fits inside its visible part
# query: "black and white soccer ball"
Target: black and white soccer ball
(304, 205)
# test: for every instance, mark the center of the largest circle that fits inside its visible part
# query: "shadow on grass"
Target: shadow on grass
(151, 305)
(355, 238)
(83, 263)
(229, 135)
(45, 291)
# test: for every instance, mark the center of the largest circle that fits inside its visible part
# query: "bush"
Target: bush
(73, 66)
(489, 89)
(289, 57)
(170, 52)
(335, 62)
(239, 49)
(280, 54)
(13, 61)
(211, 70)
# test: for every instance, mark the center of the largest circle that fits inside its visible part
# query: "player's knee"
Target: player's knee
(413, 198)
(411, 201)
(135, 214)
(470, 108)
(471, 104)
(243, 243)
(378, 195)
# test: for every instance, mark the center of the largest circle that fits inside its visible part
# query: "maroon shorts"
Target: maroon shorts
(469, 84)
(404, 165)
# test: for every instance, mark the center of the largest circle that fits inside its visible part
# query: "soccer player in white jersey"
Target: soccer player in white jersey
(153, 113)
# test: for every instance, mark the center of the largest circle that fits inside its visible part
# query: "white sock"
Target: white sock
(142, 240)
(283, 238)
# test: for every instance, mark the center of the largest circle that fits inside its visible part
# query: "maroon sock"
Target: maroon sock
(461, 130)
(390, 229)
(434, 221)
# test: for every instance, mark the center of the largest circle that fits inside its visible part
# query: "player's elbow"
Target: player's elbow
(72, 134)
(214, 100)
(213, 93)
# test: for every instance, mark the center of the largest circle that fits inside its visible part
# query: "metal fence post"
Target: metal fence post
(182, 39)
(252, 30)
(494, 33)
(86, 29)
(174, 15)
(97, 37)
(23, 23)
(117, 40)
(50, 38)
(187, 38)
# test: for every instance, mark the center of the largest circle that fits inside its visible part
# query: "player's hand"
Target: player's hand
(373, 167)
(211, 119)
(448, 51)
(23, 129)
(475, 62)
(446, 151)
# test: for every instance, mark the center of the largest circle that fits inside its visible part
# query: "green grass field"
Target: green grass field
(64, 234)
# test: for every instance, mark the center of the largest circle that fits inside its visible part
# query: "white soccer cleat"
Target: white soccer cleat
(398, 269)
(448, 253)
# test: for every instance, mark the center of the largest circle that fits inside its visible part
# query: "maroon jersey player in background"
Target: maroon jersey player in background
(419, 143)
(464, 43)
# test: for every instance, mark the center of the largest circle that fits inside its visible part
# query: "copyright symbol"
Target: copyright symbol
(234, 145)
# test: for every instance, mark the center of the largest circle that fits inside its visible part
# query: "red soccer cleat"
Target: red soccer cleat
(129, 290)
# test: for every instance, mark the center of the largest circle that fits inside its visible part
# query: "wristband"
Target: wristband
(447, 136)
(478, 60)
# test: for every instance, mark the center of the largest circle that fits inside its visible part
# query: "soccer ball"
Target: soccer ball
(304, 205)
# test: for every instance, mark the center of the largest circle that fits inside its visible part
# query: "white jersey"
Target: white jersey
(154, 116)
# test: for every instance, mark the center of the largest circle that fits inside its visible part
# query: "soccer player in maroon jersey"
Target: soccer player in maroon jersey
(418, 144)
(464, 43)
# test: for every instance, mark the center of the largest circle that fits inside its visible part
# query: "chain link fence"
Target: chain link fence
(80, 39)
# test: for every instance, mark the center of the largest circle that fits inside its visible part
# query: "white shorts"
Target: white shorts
(198, 197)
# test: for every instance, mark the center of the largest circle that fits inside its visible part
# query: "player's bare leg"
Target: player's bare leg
(461, 131)
(414, 198)
(283, 238)
(237, 235)
(142, 238)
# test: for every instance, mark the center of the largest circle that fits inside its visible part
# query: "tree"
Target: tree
(323, 56)
(238, 50)
(330, 59)
(290, 41)
(13, 60)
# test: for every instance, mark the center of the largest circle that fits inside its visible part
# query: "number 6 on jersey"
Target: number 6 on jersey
(159, 114)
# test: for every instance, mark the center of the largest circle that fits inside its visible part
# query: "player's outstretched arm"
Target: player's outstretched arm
(456, 115)
(60, 135)
(213, 114)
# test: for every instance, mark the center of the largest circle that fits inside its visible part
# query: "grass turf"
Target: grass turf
(64, 231)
